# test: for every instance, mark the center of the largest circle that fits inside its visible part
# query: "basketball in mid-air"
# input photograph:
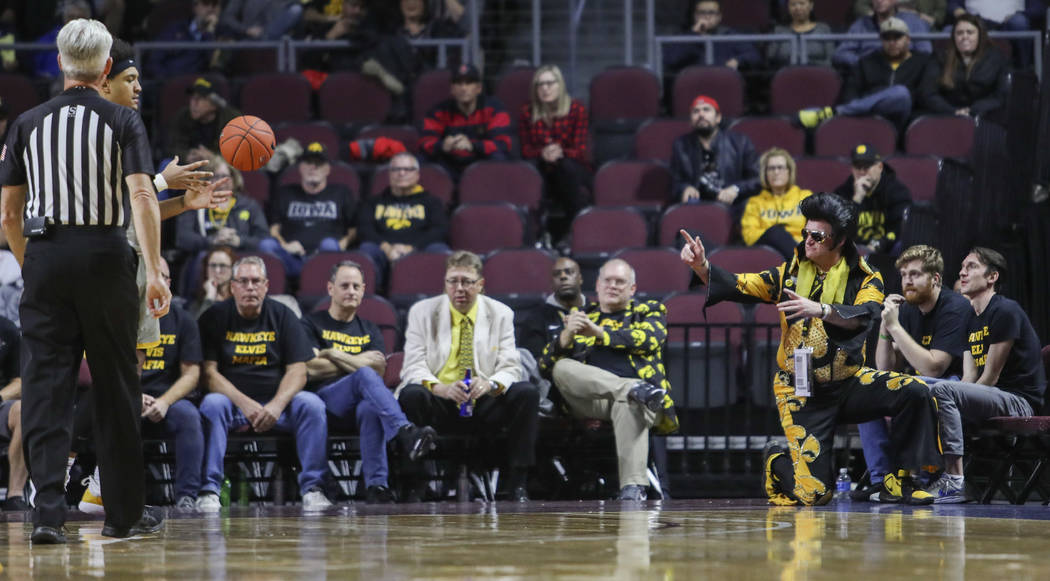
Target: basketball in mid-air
(247, 142)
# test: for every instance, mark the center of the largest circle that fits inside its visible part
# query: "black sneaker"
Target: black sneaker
(416, 442)
(152, 521)
(45, 535)
(14, 504)
(772, 449)
(647, 395)
(379, 494)
(867, 493)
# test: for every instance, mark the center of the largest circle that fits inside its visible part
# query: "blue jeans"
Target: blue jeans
(382, 263)
(184, 423)
(304, 416)
(293, 263)
(893, 103)
(378, 417)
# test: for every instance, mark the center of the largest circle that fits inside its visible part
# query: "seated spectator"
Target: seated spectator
(1003, 374)
(261, 19)
(553, 133)
(970, 78)
(1005, 15)
(707, 21)
(886, 83)
(199, 123)
(802, 23)
(403, 218)
(542, 324)
(464, 331)
(849, 52)
(255, 354)
(773, 217)
(215, 272)
(169, 377)
(931, 11)
(240, 223)
(879, 197)
(11, 415)
(347, 373)
(203, 26)
(607, 364)
(311, 216)
(415, 21)
(467, 127)
(711, 164)
(45, 62)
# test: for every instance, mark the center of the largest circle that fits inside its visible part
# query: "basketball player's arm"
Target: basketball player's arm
(12, 204)
(995, 361)
(146, 213)
(208, 195)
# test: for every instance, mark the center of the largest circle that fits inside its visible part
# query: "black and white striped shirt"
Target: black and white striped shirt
(74, 152)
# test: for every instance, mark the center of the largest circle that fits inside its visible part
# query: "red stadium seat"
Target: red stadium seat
(767, 132)
(839, 135)
(709, 220)
(349, 97)
(799, 87)
(658, 271)
(943, 136)
(723, 84)
(821, 174)
(518, 271)
(632, 183)
(406, 134)
(274, 270)
(433, 179)
(624, 93)
(277, 97)
(378, 310)
(306, 133)
(655, 139)
(19, 94)
(514, 182)
(482, 228)
(514, 90)
(607, 230)
(341, 173)
(418, 275)
(394, 361)
(431, 88)
(313, 281)
(745, 258)
(919, 173)
(257, 186)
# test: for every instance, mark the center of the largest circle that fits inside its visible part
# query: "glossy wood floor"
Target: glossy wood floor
(675, 540)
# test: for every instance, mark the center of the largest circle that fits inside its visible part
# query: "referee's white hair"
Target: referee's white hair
(84, 45)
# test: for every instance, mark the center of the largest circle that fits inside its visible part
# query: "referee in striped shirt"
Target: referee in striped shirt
(75, 171)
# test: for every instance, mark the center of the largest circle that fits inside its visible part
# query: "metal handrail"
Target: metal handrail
(294, 46)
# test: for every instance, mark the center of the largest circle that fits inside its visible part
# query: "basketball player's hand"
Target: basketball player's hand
(796, 307)
(208, 195)
(158, 296)
(184, 177)
(156, 411)
(479, 387)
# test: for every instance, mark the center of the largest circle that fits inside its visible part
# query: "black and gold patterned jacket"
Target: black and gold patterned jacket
(837, 353)
(643, 336)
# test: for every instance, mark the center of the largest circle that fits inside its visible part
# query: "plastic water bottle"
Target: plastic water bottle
(466, 409)
(224, 494)
(842, 486)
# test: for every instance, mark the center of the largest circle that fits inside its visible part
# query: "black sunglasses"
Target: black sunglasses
(817, 236)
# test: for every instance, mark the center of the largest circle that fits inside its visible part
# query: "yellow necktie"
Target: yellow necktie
(466, 345)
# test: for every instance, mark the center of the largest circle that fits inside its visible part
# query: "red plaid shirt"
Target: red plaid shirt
(570, 131)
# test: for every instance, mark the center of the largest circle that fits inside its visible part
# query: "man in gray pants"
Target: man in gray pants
(1002, 371)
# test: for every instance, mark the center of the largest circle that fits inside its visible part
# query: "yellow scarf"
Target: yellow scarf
(834, 283)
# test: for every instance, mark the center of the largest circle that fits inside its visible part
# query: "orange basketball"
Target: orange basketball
(247, 142)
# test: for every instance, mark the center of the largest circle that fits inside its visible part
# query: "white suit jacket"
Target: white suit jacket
(428, 342)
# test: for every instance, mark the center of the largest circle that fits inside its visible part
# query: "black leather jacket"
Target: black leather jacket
(735, 157)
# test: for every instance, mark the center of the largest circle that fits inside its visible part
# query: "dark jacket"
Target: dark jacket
(879, 217)
(677, 56)
(184, 133)
(196, 230)
(983, 91)
(874, 73)
(736, 159)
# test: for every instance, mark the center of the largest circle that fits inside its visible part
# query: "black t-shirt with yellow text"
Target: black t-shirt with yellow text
(252, 354)
(354, 337)
(180, 341)
(1004, 320)
(418, 219)
(943, 328)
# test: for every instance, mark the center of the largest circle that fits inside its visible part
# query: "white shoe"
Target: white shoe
(91, 501)
(315, 500)
(948, 489)
(186, 503)
(208, 502)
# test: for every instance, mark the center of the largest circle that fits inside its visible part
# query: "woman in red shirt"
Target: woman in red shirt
(553, 134)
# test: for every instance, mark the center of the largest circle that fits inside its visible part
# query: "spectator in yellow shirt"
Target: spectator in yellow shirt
(773, 217)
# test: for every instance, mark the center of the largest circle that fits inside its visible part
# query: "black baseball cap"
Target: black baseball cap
(466, 73)
(315, 153)
(865, 155)
(202, 87)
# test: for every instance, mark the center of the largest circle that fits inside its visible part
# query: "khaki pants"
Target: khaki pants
(591, 392)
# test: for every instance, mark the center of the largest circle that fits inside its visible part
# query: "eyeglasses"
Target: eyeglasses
(218, 266)
(776, 168)
(247, 282)
(463, 282)
(403, 169)
(817, 236)
(546, 83)
(708, 12)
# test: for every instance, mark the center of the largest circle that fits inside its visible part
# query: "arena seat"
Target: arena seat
(482, 228)
(767, 132)
(277, 97)
(709, 220)
(839, 135)
(658, 271)
(799, 87)
(431, 88)
(604, 231)
(821, 174)
(350, 97)
(632, 183)
(416, 276)
(745, 258)
(723, 84)
(514, 90)
(655, 139)
(313, 280)
(518, 277)
(308, 132)
(943, 136)
(624, 93)
(514, 182)
(919, 173)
